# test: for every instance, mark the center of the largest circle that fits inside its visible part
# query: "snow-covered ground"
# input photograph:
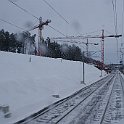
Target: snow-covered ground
(28, 87)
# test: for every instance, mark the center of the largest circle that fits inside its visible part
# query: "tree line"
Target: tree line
(11, 42)
(25, 43)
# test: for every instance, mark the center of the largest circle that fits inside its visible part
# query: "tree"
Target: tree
(26, 42)
(2, 40)
(12, 43)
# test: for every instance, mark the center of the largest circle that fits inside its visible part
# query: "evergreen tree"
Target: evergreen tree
(12, 43)
(2, 40)
(25, 43)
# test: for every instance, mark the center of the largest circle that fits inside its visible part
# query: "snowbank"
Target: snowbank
(28, 86)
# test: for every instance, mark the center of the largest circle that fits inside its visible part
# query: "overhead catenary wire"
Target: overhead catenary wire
(63, 18)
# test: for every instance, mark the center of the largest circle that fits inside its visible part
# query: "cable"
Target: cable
(116, 26)
(38, 18)
(122, 21)
(11, 24)
(34, 16)
(55, 11)
(91, 32)
(116, 19)
(114, 4)
(56, 30)
(23, 9)
(23, 28)
(121, 54)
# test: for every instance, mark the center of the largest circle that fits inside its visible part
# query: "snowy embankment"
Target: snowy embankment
(28, 87)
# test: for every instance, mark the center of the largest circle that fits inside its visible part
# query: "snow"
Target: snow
(27, 87)
(121, 122)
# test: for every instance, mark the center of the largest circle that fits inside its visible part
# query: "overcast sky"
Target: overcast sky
(84, 16)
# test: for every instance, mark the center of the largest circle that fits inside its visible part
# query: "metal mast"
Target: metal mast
(102, 48)
(87, 47)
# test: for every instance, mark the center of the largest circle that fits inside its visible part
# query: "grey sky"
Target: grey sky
(84, 16)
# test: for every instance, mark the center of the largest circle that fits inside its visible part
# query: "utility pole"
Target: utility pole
(102, 48)
(102, 51)
(87, 48)
(83, 71)
(83, 74)
(40, 37)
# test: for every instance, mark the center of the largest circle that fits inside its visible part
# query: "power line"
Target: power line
(122, 19)
(116, 25)
(14, 25)
(121, 58)
(23, 9)
(55, 11)
(116, 18)
(11, 24)
(35, 17)
(24, 29)
(88, 33)
(56, 30)
(50, 27)
(114, 3)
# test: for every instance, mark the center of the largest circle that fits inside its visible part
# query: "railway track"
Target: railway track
(105, 107)
(114, 110)
(89, 105)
